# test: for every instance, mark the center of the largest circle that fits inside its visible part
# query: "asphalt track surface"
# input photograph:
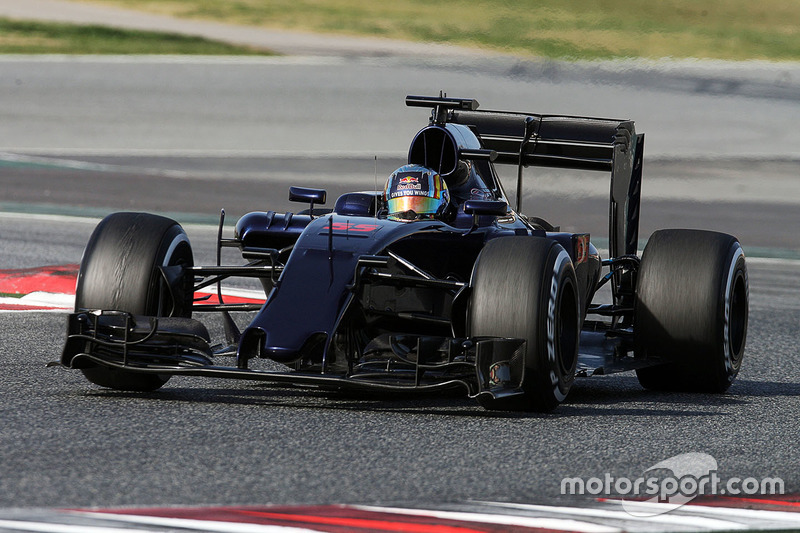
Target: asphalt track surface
(88, 137)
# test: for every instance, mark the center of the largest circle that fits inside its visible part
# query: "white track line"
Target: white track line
(711, 524)
(789, 519)
(560, 524)
(48, 527)
(213, 526)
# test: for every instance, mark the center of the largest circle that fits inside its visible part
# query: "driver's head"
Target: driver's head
(414, 192)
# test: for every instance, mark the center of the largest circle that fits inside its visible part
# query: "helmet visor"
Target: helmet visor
(420, 205)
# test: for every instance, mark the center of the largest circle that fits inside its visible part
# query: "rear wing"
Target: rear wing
(530, 139)
(545, 140)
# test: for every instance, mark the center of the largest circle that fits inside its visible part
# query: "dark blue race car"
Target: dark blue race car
(435, 283)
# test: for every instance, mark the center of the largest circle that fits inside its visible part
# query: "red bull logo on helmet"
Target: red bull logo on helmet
(409, 183)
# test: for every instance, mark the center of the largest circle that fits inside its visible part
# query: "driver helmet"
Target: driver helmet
(414, 192)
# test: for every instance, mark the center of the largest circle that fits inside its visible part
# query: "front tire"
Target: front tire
(691, 310)
(120, 271)
(525, 287)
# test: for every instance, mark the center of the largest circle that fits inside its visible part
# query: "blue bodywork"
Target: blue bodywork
(316, 286)
(306, 306)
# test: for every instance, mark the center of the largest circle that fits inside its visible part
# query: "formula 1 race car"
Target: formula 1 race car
(433, 284)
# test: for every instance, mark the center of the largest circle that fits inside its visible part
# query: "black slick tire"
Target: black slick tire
(691, 310)
(525, 287)
(120, 271)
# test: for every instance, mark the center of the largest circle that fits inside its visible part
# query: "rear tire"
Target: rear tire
(525, 287)
(691, 310)
(120, 271)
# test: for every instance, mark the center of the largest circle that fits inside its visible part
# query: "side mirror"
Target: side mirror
(302, 194)
(478, 208)
(312, 196)
(496, 208)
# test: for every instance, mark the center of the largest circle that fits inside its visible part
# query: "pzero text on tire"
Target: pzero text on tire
(120, 271)
(525, 287)
(691, 310)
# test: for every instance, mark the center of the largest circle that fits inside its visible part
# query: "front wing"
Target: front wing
(478, 366)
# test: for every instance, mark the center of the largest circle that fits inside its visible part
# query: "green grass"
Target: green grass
(10, 295)
(570, 29)
(21, 37)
